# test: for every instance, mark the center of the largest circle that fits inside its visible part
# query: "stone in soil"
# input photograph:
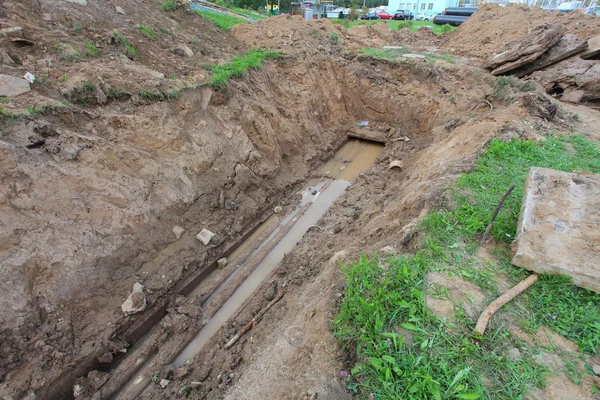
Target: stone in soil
(178, 231)
(205, 236)
(222, 263)
(136, 302)
(557, 227)
(11, 86)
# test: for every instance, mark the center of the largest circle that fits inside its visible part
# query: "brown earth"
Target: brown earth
(90, 210)
(492, 28)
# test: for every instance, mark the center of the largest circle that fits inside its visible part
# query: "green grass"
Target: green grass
(169, 5)
(238, 66)
(393, 54)
(130, 50)
(397, 25)
(91, 50)
(442, 360)
(224, 22)
(147, 32)
(252, 14)
(385, 54)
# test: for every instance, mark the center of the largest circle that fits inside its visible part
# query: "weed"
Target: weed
(63, 78)
(442, 361)
(405, 24)
(333, 37)
(88, 86)
(90, 49)
(185, 390)
(446, 28)
(165, 30)
(147, 32)
(505, 83)
(76, 29)
(155, 377)
(69, 53)
(4, 100)
(169, 5)
(223, 21)
(312, 32)
(197, 48)
(577, 118)
(238, 66)
(130, 50)
(379, 53)
(452, 100)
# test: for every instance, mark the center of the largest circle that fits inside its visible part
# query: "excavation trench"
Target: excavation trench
(251, 263)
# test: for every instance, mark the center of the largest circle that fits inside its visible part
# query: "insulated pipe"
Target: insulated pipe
(462, 11)
(454, 20)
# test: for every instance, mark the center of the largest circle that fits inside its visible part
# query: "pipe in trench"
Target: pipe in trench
(453, 20)
(460, 11)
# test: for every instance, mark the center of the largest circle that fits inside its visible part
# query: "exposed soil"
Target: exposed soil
(504, 25)
(90, 210)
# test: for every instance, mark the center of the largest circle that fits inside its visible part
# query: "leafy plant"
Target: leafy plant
(147, 32)
(447, 28)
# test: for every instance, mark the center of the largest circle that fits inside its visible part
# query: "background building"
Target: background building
(428, 7)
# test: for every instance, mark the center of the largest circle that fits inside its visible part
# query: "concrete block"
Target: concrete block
(205, 236)
(558, 226)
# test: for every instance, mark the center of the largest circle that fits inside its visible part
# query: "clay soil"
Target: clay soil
(90, 211)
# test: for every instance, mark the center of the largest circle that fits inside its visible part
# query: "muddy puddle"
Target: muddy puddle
(264, 250)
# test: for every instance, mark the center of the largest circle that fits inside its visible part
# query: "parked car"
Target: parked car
(369, 15)
(423, 17)
(409, 15)
(399, 15)
(384, 15)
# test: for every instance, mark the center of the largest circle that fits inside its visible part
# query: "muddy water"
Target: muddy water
(349, 161)
(318, 194)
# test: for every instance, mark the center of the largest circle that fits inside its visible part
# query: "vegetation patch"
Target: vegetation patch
(385, 54)
(91, 50)
(397, 25)
(402, 351)
(238, 66)
(130, 50)
(147, 32)
(221, 20)
(506, 84)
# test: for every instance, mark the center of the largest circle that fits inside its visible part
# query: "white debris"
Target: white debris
(205, 236)
(136, 301)
(278, 210)
(178, 231)
(164, 382)
(222, 263)
(396, 164)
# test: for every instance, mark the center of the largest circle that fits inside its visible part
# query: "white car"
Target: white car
(423, 17)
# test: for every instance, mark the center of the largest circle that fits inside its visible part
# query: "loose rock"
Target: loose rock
(278, 210)
(136, 302)
(596, 369)
(15, 32)
(205, 236)
(178, 231)
(222, 263)
(164, 382)
(11, 86)
(120, 10)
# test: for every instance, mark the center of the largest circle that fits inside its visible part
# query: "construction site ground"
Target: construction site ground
(125, 148)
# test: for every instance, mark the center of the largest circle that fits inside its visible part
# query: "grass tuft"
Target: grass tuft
(238, 66)
(147, 32)
(130, 50)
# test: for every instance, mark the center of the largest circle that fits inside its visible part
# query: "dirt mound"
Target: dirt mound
(419, 38)
(492, 28)
(291, 34)
(121, 47)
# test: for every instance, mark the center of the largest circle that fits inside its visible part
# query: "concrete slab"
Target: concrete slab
(567, 46)
(593, 48)
(559, 226)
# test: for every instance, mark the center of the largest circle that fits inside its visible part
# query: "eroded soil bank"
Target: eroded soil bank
(91, 210)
